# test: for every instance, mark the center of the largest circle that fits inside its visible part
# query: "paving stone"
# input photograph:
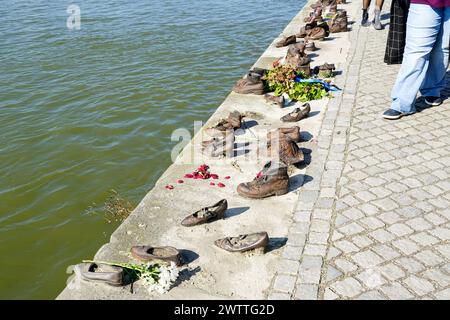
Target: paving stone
(346, 246)
(306, 292)
(322, 214)
(419, 224)
(409, 264)
(318, 237)
(392, 272)
(330, 295)
(428, 258)
(279, 296)
(284, 283)
(362, 241)
(368, 209)
(382, 235)
(345, 265)
(400, 229)
(437, 276)
(371, 295)
(424, 239)
(292, 253)
(348, 287)
(419, 285)
(406, 246)
(332, 273)
(371, 278)
(315, 250)
(441, 233)
(385, 204)
(444, 250)
(351, 229)
(310, 269)
(367, 259)
(395, 291)
(288, 267)
(320, 226)
(443, 295)
(385, 251)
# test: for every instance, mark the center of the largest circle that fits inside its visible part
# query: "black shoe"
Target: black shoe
(365, 19)
(433, 101)
(392, 114)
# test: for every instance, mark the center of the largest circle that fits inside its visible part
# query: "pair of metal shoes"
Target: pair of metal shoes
(242, 243)
(222, 142)
(117, 276)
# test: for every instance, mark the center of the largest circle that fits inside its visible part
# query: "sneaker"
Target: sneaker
(376, 21)
(433, 101)
(392, 114)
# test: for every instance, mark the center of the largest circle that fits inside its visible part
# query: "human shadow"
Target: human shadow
(188, 256)
(231, 212)
(276, 243)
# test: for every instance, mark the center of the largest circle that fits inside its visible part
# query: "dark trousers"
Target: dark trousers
(397, 32)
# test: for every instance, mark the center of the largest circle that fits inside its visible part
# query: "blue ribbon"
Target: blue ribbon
(326, 85)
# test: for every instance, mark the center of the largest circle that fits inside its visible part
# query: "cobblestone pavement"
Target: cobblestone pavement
(374, 221)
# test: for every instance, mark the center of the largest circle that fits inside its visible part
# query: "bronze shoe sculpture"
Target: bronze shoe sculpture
(274, 100)
(255, 241)
(310, 46)
(235, 119)
(273, 180)
(251, 84)
(325, 71)
(101, 273)
(296, 58)
(219, 146)
(221, 129)
(156, 254)
(292, 133)
(285, 150)
(339, 23)
(286, 41)
(206, 215)
(298, 114)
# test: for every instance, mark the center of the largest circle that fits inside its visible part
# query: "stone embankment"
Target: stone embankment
(211, 272)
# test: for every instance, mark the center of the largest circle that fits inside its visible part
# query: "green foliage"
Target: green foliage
(282, 80)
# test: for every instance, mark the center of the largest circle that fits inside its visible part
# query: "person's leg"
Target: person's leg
(365, 14)
(423, 26)
(377, 15)
(435, 78)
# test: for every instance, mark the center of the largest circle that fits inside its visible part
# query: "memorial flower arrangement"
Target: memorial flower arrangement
(282, 80)
(155, 277)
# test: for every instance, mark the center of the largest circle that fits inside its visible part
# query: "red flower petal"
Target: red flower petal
(188, 176)
(227, 177)
(220, 185)
(214, 176)
(169, 187)
(180, 181)
(212, 184)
